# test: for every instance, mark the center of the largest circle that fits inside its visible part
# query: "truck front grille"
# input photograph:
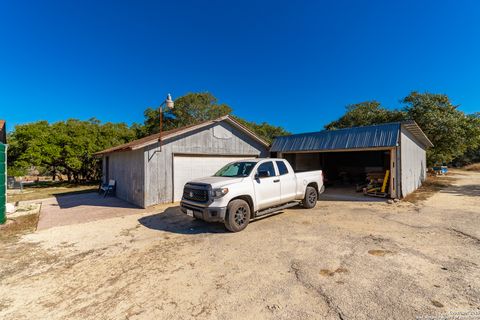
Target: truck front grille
(193, 194)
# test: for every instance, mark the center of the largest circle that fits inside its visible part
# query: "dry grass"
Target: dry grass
(473, 167)
(432, 185)
(50, 189)
(18, 226)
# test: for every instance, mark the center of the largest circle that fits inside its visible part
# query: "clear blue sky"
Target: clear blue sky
(290, 63)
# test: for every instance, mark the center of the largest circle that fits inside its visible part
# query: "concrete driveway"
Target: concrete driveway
(81, 208)
(340, 260)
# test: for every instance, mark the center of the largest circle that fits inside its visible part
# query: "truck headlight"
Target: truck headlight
(219, 192)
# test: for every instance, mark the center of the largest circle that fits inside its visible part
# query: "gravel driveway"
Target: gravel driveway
(341, 260)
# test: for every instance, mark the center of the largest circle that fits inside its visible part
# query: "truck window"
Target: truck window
(267, 166)
(282, 168)
(236, 169)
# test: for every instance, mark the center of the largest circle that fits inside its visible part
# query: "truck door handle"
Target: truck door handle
(276, 180)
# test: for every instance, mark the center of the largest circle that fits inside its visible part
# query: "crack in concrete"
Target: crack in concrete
(405, 224)
(300, 278)
(466, 235)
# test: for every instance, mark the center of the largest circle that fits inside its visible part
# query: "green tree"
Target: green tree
(65, 147)
(449, 129)
(189, 109)
(194, 108)
(28, 146)
(364, 114)
(266, 131)
(473, 146)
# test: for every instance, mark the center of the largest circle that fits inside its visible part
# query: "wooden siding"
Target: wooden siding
(217, 139)
(413, 163)
(127, 169)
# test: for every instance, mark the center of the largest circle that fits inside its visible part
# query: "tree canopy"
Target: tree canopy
(450, 130)
(266, 131)
(364, 114)
(64, 147)
(473, 150)
(189, 109)
(194, 108)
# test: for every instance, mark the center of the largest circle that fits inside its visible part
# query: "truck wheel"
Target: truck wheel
(238, 215)
(311, 198)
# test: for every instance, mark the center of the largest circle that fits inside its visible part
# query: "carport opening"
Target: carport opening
(346, 173)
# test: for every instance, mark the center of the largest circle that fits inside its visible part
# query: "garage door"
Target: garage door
(186, 168)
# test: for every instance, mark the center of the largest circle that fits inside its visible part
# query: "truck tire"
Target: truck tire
(238, 215)
(311, 197)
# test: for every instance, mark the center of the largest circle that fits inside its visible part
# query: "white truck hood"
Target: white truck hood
(217, 182)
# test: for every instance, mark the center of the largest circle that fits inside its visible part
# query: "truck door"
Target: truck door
(267, 186)
(288, 182)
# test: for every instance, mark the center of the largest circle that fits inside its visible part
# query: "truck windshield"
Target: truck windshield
(236, 169)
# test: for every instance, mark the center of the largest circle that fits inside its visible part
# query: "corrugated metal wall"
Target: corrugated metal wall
(217, 139)
(413, 162)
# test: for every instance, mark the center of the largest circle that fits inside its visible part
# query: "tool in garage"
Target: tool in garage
(378, 191)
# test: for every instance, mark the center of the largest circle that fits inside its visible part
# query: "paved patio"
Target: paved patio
(81, 208)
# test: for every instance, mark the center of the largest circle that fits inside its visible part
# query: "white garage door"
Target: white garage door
(186, 168)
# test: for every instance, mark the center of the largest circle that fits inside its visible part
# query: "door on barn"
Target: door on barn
(188, 167)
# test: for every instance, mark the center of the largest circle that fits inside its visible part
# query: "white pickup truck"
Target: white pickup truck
(247, 189)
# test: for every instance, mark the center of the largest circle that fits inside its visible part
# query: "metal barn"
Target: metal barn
(147, 173)
(347, 155)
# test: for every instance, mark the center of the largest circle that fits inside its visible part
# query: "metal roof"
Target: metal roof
(376, 136)
(417, 132)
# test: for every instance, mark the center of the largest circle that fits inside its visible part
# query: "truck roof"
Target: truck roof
(258, 159)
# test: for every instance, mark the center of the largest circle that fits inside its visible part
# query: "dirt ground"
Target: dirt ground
(473, 167)
(341, 260)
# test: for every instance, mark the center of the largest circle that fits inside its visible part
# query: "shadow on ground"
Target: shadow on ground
(91, 199)
(175, 221)
(470, 190)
